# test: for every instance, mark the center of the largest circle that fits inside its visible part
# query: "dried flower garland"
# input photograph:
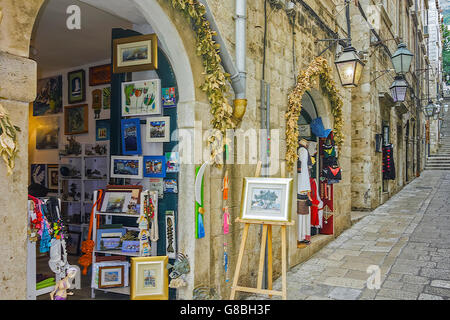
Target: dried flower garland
(8, 140)
(318, 69)
(215, 85)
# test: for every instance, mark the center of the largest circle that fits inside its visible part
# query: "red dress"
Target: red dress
(315, 203)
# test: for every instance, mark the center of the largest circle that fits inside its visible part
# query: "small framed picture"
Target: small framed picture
(52, 177)
(76, 119)
(168, 97)
(266, 199)
(155, 166)
(137, 53)
(99, 75)
(49, 99)
(131, 136)
(172, 162)
(106, 98)
(111, 276)
(102, 129)
(39, 174)
(116, 201)
(141, 97)
(47, 133)
(73, 243)
(156, 184)
(149, 278)
(126, 167)
(158, 129)
(170, 186)
(171, 240)
(76, 86)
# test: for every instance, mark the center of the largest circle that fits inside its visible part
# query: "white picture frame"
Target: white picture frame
(120, 165)
(154, 128)
(144, 101)
(266, 199)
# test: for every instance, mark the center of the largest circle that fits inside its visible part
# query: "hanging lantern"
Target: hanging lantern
(349, 67)
(402, 58)
(398, 89)
(429, 109)
(445, 108)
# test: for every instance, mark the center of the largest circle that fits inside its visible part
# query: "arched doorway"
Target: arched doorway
(147, 16)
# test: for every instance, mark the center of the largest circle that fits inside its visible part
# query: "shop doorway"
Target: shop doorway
(67, 57)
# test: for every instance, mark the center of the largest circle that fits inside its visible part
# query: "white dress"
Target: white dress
(304, 186)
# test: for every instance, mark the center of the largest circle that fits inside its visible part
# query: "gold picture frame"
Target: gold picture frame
(149, 278)
(137, 53)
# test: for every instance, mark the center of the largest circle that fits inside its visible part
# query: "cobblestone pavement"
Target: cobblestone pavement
(408, 238)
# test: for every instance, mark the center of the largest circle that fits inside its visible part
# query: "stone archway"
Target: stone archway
(18, 74)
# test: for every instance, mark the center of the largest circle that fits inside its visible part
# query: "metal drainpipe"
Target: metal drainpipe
(238, 71)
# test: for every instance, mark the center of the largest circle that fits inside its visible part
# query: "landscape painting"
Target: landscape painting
(47, 133)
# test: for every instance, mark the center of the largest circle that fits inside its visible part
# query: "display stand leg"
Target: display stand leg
(269, 259)
(261, 256)
(283, 263)
(239, 261)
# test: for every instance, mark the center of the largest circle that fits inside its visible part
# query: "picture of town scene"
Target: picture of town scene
(157, 129)
(130, 137)
(126, 167)
(266, 199)
(111, 276)
(153, 166)
(135, 53)
(115, 202)
(149, 279)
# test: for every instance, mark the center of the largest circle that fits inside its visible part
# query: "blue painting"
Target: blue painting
(102, 130)
(155, 166)
(49, 97)
(131, 136)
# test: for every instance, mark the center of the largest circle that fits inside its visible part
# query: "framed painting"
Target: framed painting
(102, 129)
(155, 166)
(131, 136)
(39, 174)
(99, 75)
(49, 96)
(158, 129)
(171, 241)
(126, 167)
(76, 119)
(141, 97)
(170, 186)
(149, 278)
(136, 53)
(168, 97)
(47, 133)
(172, 162)
(116, 201)
(97, 96)
(111, 276)
(76, 81)
(266, 199)
(107, 98)
(52, 177)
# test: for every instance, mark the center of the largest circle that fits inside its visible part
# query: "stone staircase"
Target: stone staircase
(441, 160)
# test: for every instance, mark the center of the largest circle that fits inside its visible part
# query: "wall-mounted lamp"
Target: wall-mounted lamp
(401, 59)
(349, 67)
(429, 110)
(399, 88)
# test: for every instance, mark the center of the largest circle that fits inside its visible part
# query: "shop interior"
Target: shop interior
(77, 146)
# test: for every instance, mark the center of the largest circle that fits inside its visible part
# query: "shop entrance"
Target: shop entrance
(77, 126)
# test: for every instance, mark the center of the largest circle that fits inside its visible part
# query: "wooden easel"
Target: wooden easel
(266, 237)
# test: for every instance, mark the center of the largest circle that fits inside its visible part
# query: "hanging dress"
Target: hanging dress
(303, 188)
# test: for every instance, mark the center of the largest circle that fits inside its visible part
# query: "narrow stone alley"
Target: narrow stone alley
(408, 238)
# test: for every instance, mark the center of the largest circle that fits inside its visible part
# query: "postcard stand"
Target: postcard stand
(266, 237)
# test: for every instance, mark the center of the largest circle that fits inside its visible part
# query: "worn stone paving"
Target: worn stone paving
(408, 238)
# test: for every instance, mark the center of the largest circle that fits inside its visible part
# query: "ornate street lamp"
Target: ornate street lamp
(398, 89)
(429, 110)
(402, 58)
(349, 67)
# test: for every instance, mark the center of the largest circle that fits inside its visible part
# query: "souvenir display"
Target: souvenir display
(98, 149)
(266, 199)
(109, 239)
(111, 276)
(180, 268)
(99, 75)
(388, 162)
(73, 147)
(149, 278)
(171, 248)
(52, 177)
(141, 97)
(96, 167)
(170, 186)
(131, 136)
(76, 86)
(156, 184)
(136, 53)
(168, 97)
(96, 271)
(97, 102)
(76, 119)
(49, 96)
(158, 129)
(303, 194)
(172, 162)
(154, 166)
(102, 129)
(47, 133)
(144, 221)
(126, 167)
